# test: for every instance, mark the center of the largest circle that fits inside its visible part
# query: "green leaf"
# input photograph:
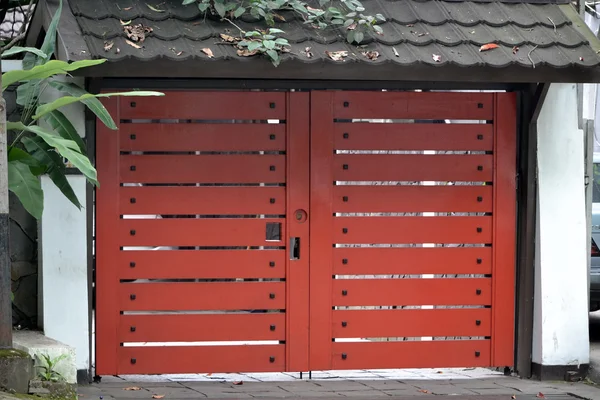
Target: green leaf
(92, 103)
(65, 128)
(17, 49)
(268, 44)
(378, 29)
(282, 42)
(350, 36)
(51, 68)
(66, 100)
(66, 148)
(186, 2)
(28, 92)
(27, 187)
(358, 37)
(239, 12)
(254, 45)
(380, 17)
(49, 43)
(274, 57)
(155, 9)
(348, 22)
(220, 8)
(43, 153)
(337, 21)
(203, 7)
(17, 154)
(275, 30)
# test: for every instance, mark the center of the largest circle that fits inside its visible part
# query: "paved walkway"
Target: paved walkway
(467, 384)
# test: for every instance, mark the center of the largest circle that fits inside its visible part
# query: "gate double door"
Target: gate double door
(272, 231)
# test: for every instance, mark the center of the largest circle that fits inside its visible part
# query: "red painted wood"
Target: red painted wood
(210, 106)
(201, 264)
(406, 198)
(396, 230)
(412, 292)
(201, 359)
(412, 167)
(201, 327)
(298, 200)
(107, 244)
(186, 200)
(202, 169)
(412, 261)
(409, 136)
(202, 137)
(411, 323)
(411, 354)
(192, 296)
(411, 105)
(197, 232)
(321, 251)
(503, 303)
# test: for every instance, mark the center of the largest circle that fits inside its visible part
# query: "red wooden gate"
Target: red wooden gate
(208, 202)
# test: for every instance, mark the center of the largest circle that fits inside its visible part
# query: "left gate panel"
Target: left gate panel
(191, 234)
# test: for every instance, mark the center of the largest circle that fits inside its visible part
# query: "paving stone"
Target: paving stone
(303, 386)
(174, 393)
(273, 394)
(450, 390)
(388, 385)
(226, 396)
(343, 385)
(315, 394)
(404, 392)
(362, 393)
(504, 391)
(476, 384)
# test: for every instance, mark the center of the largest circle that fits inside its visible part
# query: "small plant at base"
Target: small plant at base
(263, 42)
(48, 372)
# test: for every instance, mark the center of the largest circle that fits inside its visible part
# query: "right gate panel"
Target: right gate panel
(412, 230)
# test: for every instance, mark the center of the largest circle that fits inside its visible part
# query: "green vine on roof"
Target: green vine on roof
(350, 15)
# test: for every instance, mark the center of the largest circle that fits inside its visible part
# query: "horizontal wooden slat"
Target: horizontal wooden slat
(206, 106)
(411, 354)
(202, 137)
(198, 232)
(412, 323)
(397, 230)
(412, 261)
(202, 169)
(178, 200)
(205, 327)
(201, 359)
(382, 136)
(412, 167)
(406, 105)
(201, 264)
(405, 198)
(411, 292)
(188, 296)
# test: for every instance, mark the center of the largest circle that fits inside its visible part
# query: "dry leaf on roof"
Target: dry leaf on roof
(117, 50)
(108, 44)
(371, 54)
(396, 52)
(238, 382)
(158, 396)
(229, 38)
(307, 52)
(437, 57)
(155, 9)
(137, 32)
(352, 26)
(489, 46)
(424, 391)
(246, 52)
(337, 55)
(127, 8)
(540, 395)
(515, 50)
(133, 44)
(124, 22)
(132, 388)
(208, 52)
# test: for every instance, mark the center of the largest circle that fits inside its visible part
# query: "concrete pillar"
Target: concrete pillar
(560, 331)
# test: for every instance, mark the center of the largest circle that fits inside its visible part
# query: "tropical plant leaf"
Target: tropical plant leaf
(66, 148)
(26, 187)
(16, 154)
(49, 43)
(65, 128)
(43, 153)
(28, 93)
(66, 100)
(92, 103)
(51, 68)
(17, 49)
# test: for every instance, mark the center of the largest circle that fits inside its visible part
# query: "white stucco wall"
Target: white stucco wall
(64, 262)
(560, 333)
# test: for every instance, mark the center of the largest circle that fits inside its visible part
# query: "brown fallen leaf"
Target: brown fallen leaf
(513, 397)
(208, 52)
(127, 8)
(337, 55)
(424, 391)
(351, 27)
(307, 52)
(108, 44)
(440, 372)
(488, 46)
(410, 25)
(117, 51)
(137, 32)
(515, 50)
(238, 383)
(158, 396)
(179, 53)
(279, 17)
(133, 44)
(132, 388)
(580, 58)
(124, 22)
(437, 57)
(371, 54)
(396, 52)
(540, 395)
(228, 38)
(246, 52)
(155, 9)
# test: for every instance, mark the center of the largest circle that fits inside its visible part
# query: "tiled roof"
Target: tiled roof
(528, 35)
